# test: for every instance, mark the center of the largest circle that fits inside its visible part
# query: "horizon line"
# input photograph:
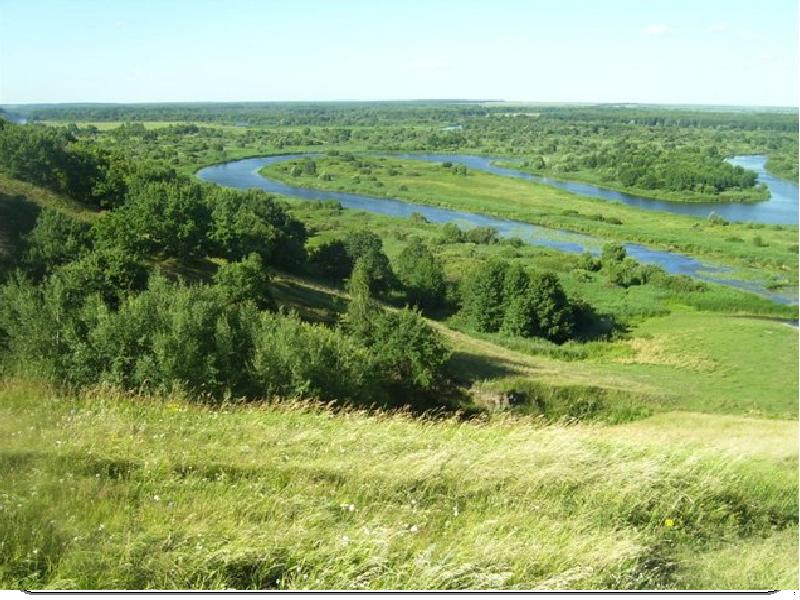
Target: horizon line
(398, 101)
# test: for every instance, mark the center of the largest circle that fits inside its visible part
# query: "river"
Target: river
(781, 207)
(243, 174)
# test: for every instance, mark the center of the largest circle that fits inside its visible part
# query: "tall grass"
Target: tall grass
(106, 490)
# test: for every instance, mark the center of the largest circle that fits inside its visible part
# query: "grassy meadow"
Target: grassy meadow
(104, 490)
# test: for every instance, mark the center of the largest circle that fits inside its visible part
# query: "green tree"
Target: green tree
(482, 296)
(368, 247)
(252, 221)
(421, 275)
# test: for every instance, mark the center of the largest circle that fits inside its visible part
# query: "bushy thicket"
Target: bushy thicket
(500, 296)
(55, 158)
(212, 343)
(82, 309)
(335, 260)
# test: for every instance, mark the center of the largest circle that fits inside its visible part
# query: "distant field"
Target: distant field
(105, 491)
(106, 125)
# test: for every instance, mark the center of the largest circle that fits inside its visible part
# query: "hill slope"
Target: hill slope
(110, 491)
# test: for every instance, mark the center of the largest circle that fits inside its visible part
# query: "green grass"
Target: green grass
(427, 183)
(106, 490)
(14, 190)
(685, 360)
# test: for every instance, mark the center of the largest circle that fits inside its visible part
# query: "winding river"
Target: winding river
(781, 207)
(243, 174)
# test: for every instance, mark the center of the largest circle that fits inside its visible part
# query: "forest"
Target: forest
(235, 388)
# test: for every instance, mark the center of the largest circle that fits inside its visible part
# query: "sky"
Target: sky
(646, 51)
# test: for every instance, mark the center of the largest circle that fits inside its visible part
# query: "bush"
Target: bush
(451, 234)
(481, 235)
(292, 359)
(56, 239)
(625, 273)
(482, 296)
(110, 272)
(367, 247)
(410, 356)
(504, 297)
(613, 253)
(331, 260)
(176, 336)
(587, 262)
(169, 220)
(246, 280)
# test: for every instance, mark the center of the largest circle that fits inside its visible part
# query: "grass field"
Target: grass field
(103, 490)
(755, 250)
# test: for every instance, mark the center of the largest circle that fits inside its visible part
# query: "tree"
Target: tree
(421, 275)
(554, 315)
(361, 309)
(481, 235)
(482, 296)
(410, 355)
(110, 272)
(170, 220)
(451, 234)
(331, 260)
(368, 247)
(246, 222)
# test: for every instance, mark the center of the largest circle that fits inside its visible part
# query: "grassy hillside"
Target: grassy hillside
(105, 490)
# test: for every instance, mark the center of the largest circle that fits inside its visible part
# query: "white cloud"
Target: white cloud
(719, 28)
(657, 30)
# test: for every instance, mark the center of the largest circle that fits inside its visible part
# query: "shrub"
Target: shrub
(613, 253)
(55, 240)
(587, 262)
(367, 247)
(481, 235)
(293, 359)
(246, 280)
(246, 222)
(110, 272)
(410, 356)
(451, 234)
(331, 260)
(170, 220)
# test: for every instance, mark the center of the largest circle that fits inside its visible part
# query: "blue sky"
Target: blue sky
(666, 51)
